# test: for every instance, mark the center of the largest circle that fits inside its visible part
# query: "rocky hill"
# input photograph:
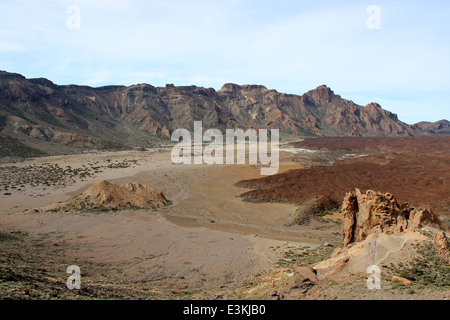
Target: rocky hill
(438, 127)
(59, 119)
(105, 196)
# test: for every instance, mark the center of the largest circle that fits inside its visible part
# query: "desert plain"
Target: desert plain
(227, 232)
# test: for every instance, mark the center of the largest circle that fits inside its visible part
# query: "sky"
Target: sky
(396, 53)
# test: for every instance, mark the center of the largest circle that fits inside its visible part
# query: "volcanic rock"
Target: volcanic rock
(376, 212)
(442, 245)
(302, 281)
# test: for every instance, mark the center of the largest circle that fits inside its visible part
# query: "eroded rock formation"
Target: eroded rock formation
(374, 212)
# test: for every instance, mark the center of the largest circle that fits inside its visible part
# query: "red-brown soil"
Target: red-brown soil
(415, 170)
(424, 144)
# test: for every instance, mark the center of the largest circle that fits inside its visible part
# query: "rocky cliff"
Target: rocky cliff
(42, 114)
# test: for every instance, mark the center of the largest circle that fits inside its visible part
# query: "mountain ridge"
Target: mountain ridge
(438, 127)
(63, 118)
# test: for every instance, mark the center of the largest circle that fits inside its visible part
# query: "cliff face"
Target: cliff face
(37, 110)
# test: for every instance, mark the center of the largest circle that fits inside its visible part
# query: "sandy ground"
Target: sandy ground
(207, 244)
(208, 237)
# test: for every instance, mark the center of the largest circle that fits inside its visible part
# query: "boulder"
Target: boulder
(302, 281)
(442, 246)
(419, 218)
(401, 280)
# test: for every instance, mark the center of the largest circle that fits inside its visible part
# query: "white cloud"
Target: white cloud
(10, 47)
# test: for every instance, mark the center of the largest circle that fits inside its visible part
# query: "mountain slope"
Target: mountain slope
(438, 127)
(56, 118)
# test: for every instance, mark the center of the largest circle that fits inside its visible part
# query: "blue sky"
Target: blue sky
(290, 46)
